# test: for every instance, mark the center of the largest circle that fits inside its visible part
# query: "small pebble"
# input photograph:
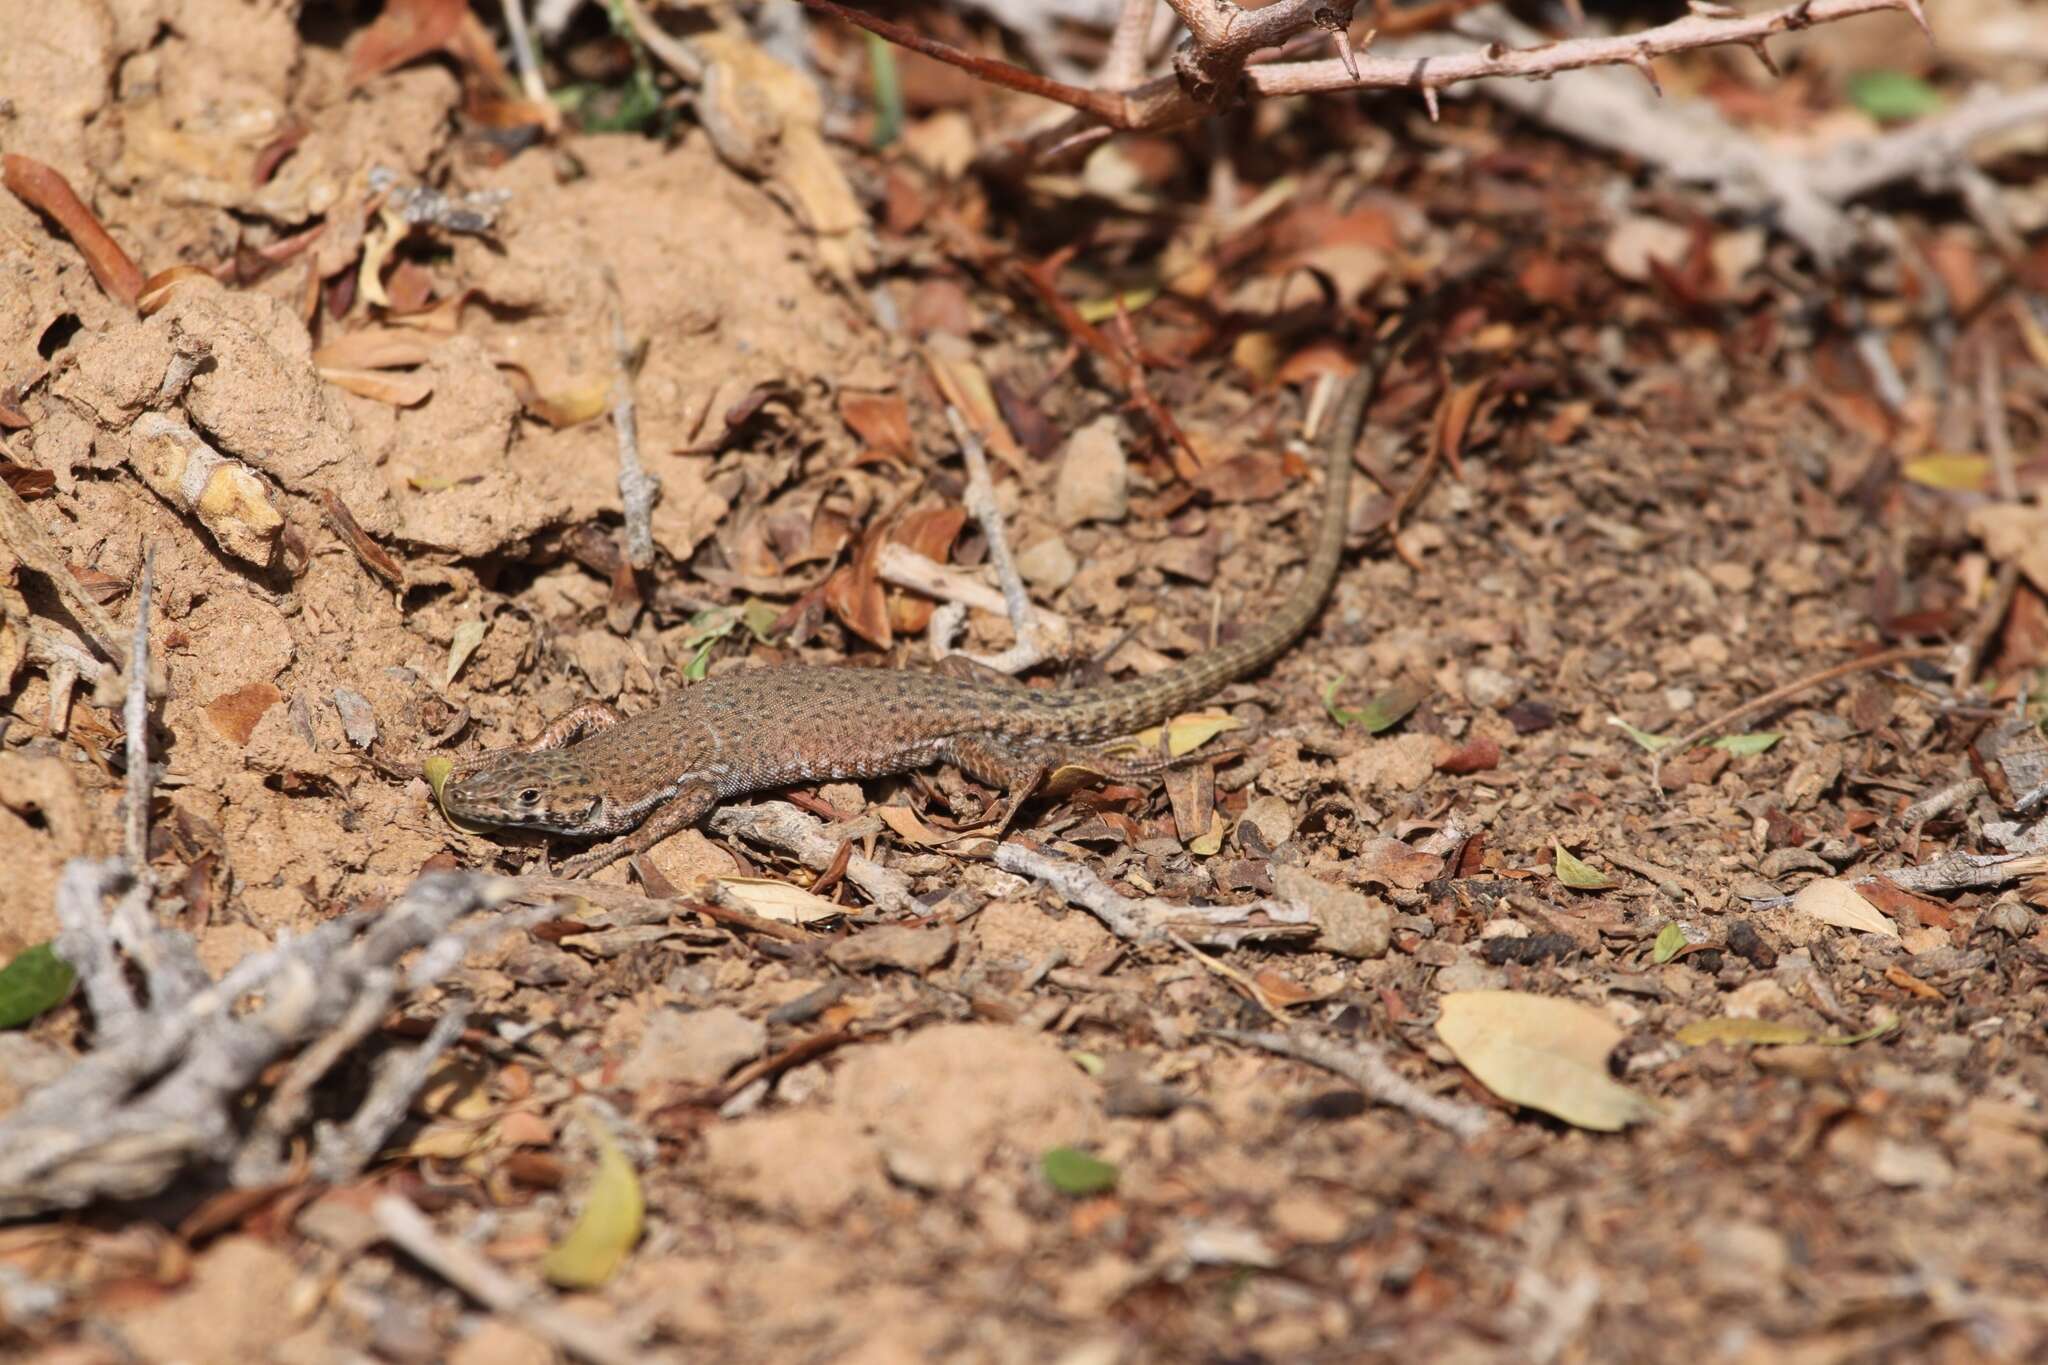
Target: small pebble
(1491, 688)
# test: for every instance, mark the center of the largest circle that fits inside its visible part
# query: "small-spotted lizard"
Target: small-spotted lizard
(594, 772)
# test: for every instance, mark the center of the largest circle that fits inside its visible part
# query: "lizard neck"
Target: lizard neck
(1123, 707)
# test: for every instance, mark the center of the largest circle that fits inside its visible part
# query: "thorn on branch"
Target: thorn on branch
(1429, 100)
(1343, 41)
(1641, 62)
(1919, 14)
(1763, 54)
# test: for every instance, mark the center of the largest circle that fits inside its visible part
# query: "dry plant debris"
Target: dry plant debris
(1620, 921)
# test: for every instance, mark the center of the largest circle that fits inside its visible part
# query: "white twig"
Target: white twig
(135, 715)
(475, 1275)
(530, 81)
(1039, 635)
(1691, 141)
(637, 488)
(167, 1086)
(1368, 1069)
(1149, 919)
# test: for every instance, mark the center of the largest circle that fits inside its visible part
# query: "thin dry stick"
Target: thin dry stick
(1217, 967)
(1370, 1071)
(637, 488)
(473, 1273)
(1884, 659)
(2004, 477)
(1037, 638)
(530, 79)
(1149, 918)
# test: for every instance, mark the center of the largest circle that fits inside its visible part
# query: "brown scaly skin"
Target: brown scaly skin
(594, 773)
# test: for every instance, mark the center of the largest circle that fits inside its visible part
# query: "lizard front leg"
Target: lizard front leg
(685, 808)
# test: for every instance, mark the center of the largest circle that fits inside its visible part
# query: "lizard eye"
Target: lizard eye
(530, 796)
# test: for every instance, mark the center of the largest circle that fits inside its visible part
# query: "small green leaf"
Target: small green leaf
(706, 629)
(1649, 742)
(1893, 95)
(1579, 876)
(1670, 939)
(1071, 1171)
(36, 981)
(1090, 1062)
(1383, 712)
(760, 617)
(888, 91)
(1750, 745)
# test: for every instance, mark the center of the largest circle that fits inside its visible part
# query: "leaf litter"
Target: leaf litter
(1617, 507)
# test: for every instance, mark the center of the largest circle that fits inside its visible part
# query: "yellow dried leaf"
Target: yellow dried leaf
(1759, 1031)
(1184, 734)
(1952, 472)
(608, 1226)
(1542, 1053)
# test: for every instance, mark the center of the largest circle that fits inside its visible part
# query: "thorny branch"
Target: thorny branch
(1218, 67)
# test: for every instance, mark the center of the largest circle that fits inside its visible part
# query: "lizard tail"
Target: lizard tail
(1124, 707)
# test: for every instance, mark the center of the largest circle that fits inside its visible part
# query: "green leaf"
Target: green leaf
(1580, 876)
(37, 980)
(1091, 1062)
(607, 1227)
(1072, 1171)
(1383, 712)
(1750, 745)
(888, 91)
(706, 629)
(1670, 939)
(1891, 95)
(1649, 742)
(760, 618)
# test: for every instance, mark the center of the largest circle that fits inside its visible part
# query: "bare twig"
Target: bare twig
(530, 81)
(1692, 141)
(1149, 919)
(1214, 70)
(782, 826)
(1369, 1070)
(1780, 695)
(637, 488)
(167, 1086)
(1039, 635)
(474, 1274)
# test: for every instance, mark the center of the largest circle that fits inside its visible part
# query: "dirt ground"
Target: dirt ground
(1652, 481)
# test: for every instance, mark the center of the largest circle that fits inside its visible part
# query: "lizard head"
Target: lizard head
(531, 791)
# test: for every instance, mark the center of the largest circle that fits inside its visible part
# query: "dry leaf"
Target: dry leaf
(608, 1226)
(1543, 1053)
(467, 637)
(1834, 901)
(235, 714)
(399, 389)
(881, 420)
(375, 348)
(777, 900)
